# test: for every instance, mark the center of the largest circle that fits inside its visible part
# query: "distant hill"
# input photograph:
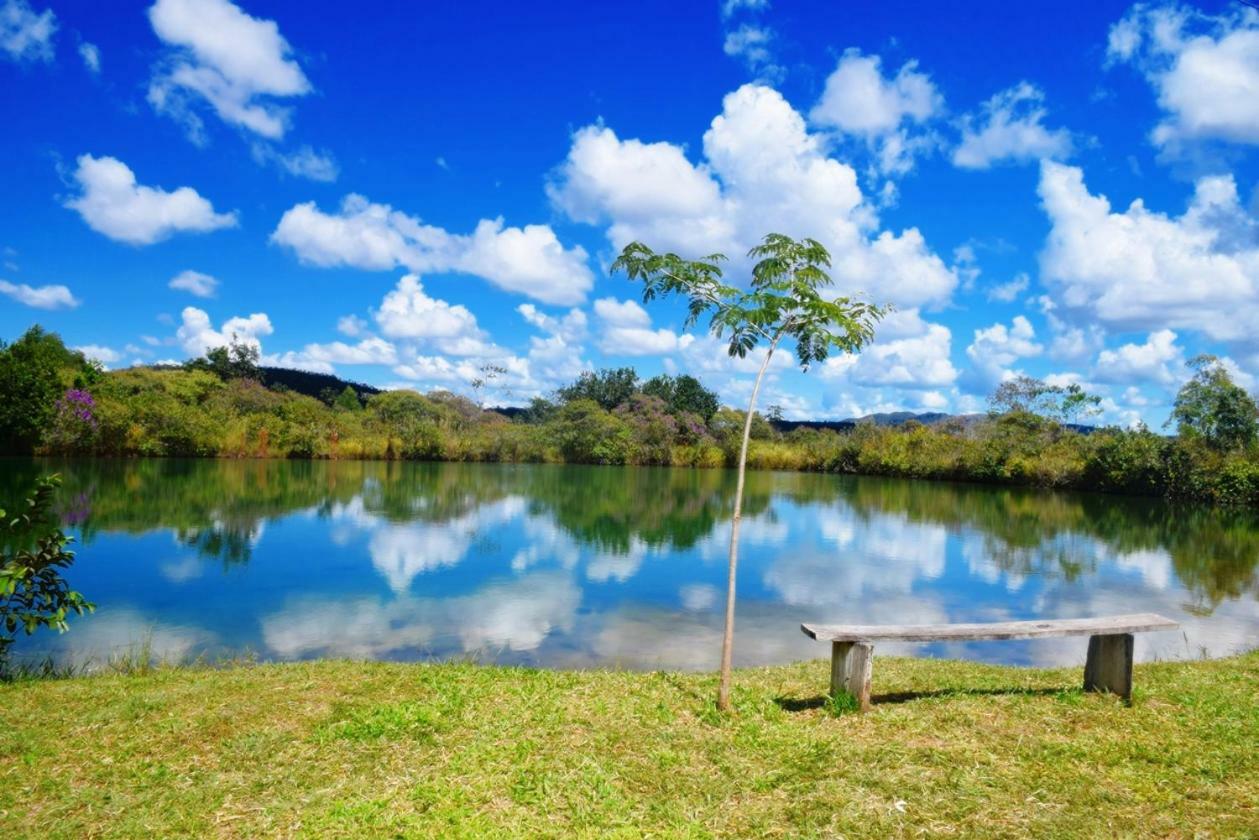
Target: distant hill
(312, 384)
(892, 418)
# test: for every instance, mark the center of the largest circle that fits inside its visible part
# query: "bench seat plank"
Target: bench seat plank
(1112, 625)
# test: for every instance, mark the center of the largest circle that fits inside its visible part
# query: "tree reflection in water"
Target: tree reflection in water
(627, 554)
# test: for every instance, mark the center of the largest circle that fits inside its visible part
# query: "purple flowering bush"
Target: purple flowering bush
(74, 425)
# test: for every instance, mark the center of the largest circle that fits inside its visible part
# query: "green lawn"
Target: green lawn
(375, 750)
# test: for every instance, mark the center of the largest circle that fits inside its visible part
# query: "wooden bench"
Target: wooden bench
(1108, 668)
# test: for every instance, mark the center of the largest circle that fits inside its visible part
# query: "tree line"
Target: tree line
(59, 403)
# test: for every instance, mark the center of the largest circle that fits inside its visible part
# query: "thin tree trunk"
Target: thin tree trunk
(727, 638)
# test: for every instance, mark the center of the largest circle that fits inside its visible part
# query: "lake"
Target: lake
(573, 566)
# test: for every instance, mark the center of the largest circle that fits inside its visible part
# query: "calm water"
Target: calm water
(581, 566)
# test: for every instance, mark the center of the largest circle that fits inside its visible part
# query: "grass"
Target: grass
(345, 749)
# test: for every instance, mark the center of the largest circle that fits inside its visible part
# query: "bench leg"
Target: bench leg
(851, 664)
(1109, 665)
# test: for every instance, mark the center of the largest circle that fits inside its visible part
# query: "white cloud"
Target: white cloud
(351, 325)
(321, 357)
(25, 35)
(112, 203)
(408, 312)
(1010, 130)
(104, 355)
(91, 56)
(626, 330)
(751, 43)
(1204, 70)
(859, 100)
(40, 297)
(763, 171)
(570, 327)
(1007, 292)
(1157, 360)
(528, 260)
(1143, 270)
(195, 283)
(908, 353)
(998, 347)
(644, 190)
(552, 359)
(730, 7)
(196, 334)
(302, 163)
(235, 63)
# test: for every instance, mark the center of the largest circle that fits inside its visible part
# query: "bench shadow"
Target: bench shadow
(802, 704)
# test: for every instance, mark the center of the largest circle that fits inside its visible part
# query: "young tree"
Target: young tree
(486, 374)
(1213, 407)
(1029, 395)
(784, 302)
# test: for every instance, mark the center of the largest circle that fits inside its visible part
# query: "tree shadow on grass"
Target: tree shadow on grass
(802, 704)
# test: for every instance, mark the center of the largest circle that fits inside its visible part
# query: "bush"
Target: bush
(33, 593)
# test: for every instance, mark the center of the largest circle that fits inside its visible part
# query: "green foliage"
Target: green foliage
(585, 433)
(347, 400)
(182, 412)
(34, 372)
(33, 553)
(238, 360)
(683, 393)
(784, 302)
(1212, 407)
(609, 387)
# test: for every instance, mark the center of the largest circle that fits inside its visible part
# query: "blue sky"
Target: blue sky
(403, 193)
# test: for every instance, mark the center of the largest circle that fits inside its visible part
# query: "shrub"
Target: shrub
(33, 593)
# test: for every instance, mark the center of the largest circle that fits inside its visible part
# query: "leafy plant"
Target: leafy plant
(33, 593)
(785, 301)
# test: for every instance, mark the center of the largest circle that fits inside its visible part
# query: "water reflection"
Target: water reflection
(577, 566)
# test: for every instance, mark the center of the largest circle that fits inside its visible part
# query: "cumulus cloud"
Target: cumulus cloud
(25, 35)
(570, 327)
(196, 334)
(762, 170)
(100, 353)
(236, 64)
(408, 312)
(626, 330)
(998, 347)
(112, 203)
(322, 357)
(40, 297)
(529, 260)
(195, 283)
(859, 100)
(1143, 270)
(1009, 129)
(1158, 360)
(909, 353)
(1204, 70)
